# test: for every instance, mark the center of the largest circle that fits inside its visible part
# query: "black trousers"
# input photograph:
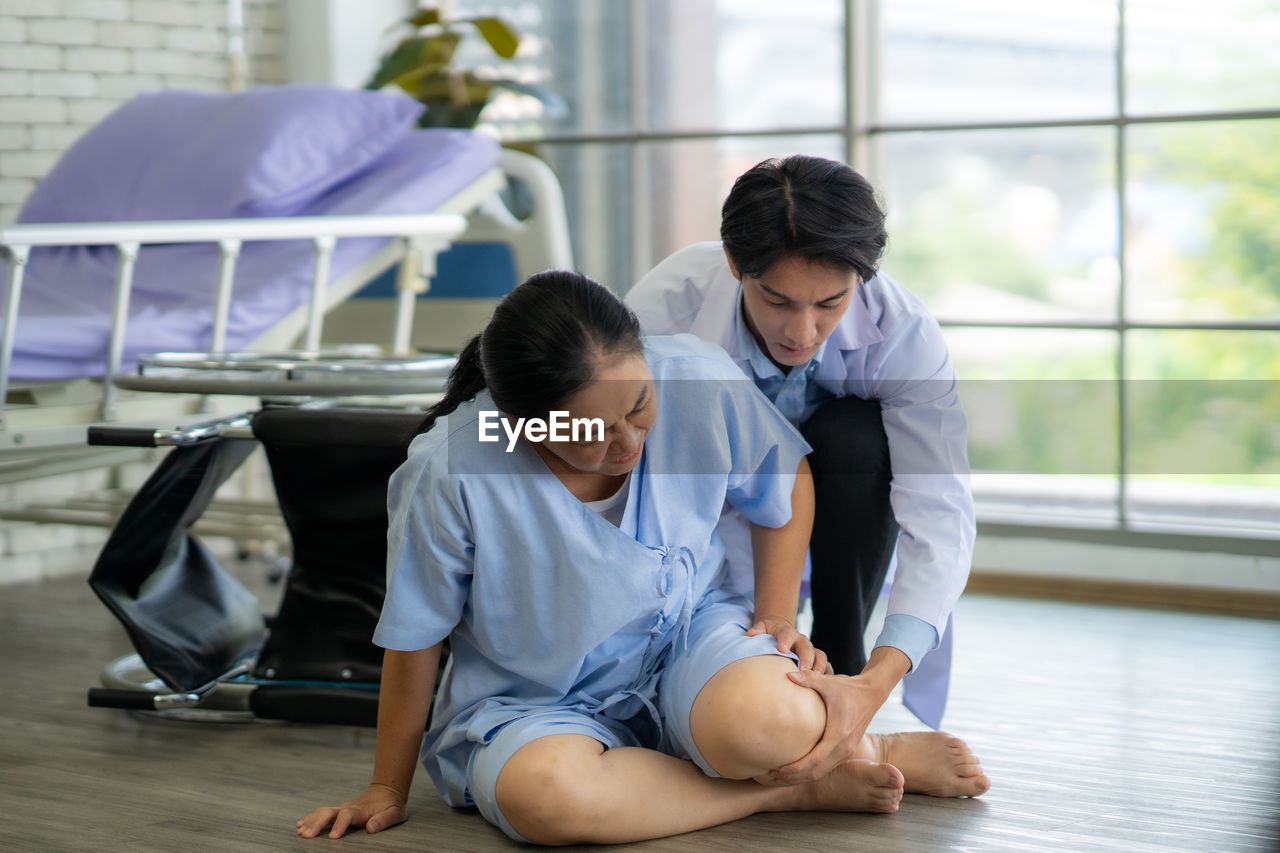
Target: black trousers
(854, 530)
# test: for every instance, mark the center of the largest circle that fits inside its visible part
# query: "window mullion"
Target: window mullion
(1122, 397)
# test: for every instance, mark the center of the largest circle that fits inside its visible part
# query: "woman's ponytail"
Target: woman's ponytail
(466, 380)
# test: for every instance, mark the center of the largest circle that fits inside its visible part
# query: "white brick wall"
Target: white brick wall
(64, 84)
(14, 137)
(55, 137)
(13, 30)
(14, 190)
(97, 10)
(61, 31)
(125, 86)
(31, 111)
(129, 35)
(15, 83)
(98, 59)
(30, 551)
(32, 57)
(26, 164)
(65, 64)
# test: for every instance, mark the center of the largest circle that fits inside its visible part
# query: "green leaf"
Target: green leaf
(443, 86)
(397, 63)
(425, 17)
(500, 37)
(412, 81)
(439, 50)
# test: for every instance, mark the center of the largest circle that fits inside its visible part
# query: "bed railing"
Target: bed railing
(422, 235)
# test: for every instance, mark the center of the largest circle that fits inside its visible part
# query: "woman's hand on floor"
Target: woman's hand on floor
(378, 808)
(791, 640)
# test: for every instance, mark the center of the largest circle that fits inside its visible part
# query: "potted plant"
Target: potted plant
(421, 63)
(422, 60)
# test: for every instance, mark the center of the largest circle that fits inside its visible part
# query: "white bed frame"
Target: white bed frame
(43, 424)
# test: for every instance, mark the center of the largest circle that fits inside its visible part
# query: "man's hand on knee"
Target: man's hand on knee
(851, 702)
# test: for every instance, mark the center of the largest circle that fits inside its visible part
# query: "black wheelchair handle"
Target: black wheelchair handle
(118, 436)
(132, 700)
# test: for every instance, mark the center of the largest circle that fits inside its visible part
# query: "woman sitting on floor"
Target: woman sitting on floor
(603, 686)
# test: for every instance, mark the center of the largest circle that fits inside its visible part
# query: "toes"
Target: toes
(887, 800)
(972, 786)
(888, 776)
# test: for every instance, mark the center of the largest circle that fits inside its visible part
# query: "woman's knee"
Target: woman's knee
(544, 789)
(750, 718)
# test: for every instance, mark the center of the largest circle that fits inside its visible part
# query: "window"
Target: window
(668, 102)
(1086, 194)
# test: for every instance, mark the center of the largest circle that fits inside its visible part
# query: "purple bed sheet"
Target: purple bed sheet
(64, 316)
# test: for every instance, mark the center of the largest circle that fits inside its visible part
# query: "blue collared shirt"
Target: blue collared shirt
(795, 392)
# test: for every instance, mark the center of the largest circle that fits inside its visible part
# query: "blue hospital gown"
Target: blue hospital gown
(545, 603)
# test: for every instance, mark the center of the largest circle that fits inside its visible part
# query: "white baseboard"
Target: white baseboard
(1058, 558)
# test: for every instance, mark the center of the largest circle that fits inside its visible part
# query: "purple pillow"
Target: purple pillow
(203, 155)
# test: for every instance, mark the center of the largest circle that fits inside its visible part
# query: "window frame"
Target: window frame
(858, 133)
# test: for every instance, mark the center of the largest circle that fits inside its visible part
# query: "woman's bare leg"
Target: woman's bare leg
(747, 720)
(568, 789)
(746, 723)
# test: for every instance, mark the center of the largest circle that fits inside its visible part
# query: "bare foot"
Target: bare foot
(855, 786)
(933, 763)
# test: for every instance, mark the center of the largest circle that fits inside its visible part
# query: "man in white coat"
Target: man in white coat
(858, 363)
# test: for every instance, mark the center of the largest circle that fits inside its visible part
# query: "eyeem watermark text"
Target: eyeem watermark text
(560, 427)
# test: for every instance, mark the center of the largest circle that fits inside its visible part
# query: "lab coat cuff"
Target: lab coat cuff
(909, 635)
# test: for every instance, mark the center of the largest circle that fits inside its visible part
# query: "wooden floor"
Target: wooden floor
(1101, 729)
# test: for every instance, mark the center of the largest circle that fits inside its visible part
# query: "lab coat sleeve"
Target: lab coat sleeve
(430, 558)
(930, 492)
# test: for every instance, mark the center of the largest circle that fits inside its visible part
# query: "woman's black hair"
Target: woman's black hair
(541, 346)
(817, 209)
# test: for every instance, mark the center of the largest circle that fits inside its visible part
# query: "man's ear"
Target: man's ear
(733, 268)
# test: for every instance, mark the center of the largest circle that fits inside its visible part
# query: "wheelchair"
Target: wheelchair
(203, 648)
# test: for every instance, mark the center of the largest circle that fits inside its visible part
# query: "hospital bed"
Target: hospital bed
(180, 305)
(227, 251)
